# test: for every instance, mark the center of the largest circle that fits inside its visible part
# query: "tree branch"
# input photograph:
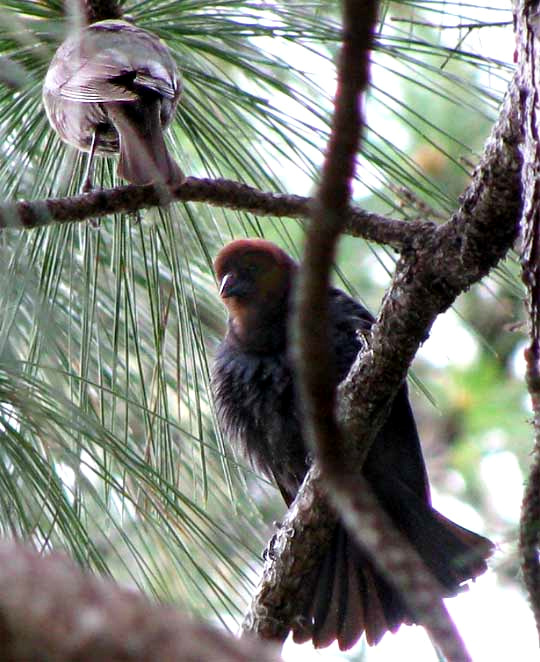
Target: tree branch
(437, 270)
(51, 610)
(314, 360)
(216, 192)
(529, 75)
(430, 275)
(349, 491)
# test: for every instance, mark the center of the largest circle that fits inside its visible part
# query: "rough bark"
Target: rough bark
(527, 34)
(216, 192)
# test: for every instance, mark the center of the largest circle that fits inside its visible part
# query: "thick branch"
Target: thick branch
(428, 279)
(51, 610)
(436, 271)
(529, 75)
(215, 192)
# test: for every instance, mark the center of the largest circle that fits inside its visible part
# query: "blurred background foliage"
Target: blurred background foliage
(108, 441)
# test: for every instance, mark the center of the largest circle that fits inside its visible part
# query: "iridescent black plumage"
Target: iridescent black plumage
(254, 393)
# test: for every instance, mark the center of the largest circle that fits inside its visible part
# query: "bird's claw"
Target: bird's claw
(269, 551)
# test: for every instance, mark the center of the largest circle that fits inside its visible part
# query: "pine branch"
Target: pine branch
(216, 192)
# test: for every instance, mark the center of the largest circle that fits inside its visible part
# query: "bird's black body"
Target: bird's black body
(256, 402)
(256, 399)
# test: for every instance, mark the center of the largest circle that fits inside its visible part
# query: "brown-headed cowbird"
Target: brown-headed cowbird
(113, 87)
(256, 401)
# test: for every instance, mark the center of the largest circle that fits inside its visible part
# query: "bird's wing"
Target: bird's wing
(88, 72)
(350, 321)
(154, 76)
(90, 80)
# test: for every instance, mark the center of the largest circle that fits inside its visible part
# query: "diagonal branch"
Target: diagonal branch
(216, 192)
(428, 278)
(440, 267)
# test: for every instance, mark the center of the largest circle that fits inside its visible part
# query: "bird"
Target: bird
(113, 87)
(255, 396)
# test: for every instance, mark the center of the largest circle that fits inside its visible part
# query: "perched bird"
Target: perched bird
(112, 87)
(255, 396)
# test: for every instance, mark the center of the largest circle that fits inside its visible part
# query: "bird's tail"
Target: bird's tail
(144, 157)
(349, 596)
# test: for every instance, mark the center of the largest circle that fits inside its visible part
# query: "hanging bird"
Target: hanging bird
(255, 395)
(112, 87)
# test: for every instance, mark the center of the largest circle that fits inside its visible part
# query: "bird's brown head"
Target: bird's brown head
(254, 277)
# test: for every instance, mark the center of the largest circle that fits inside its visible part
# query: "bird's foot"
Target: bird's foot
(268, 551)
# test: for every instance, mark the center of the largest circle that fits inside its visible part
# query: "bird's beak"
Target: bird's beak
(223, 285)
(228, 286)
(233, 286)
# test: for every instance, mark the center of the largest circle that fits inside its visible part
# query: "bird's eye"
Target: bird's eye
(251, 269)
